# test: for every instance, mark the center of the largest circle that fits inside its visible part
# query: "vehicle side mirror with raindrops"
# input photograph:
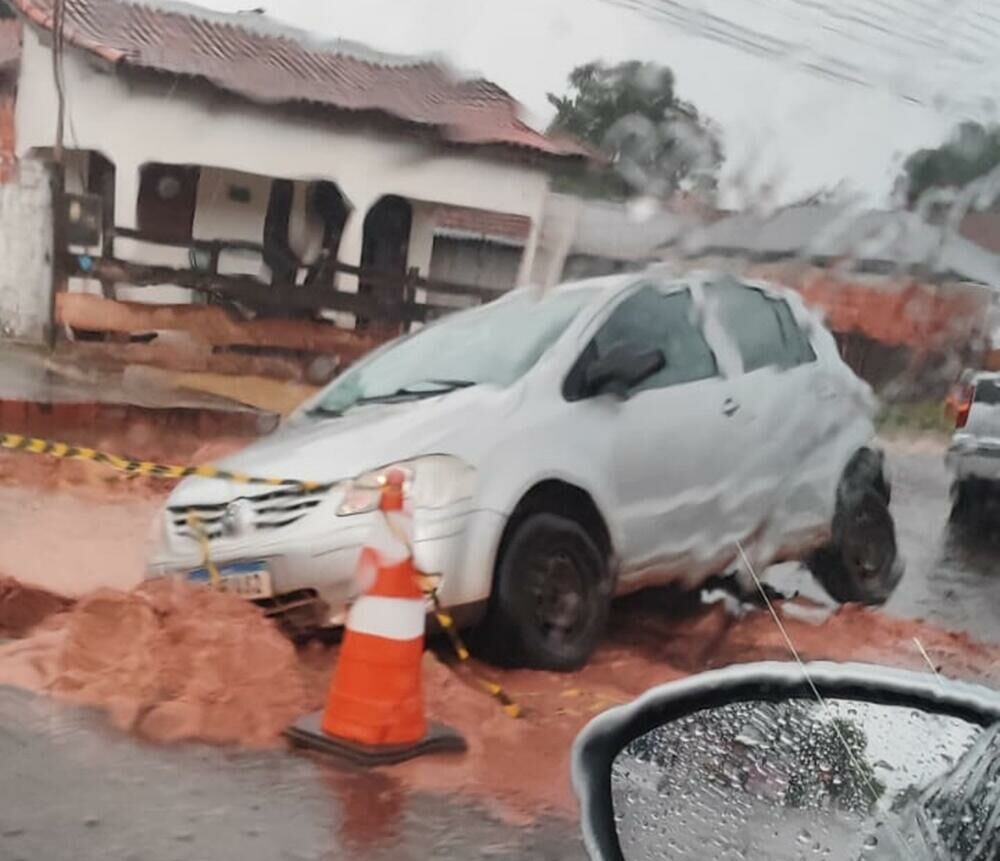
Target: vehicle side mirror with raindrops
(774, 761)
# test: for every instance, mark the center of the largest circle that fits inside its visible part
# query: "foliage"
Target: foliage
(655, 142)
(915, 417)
(971, 151)
(5, 11)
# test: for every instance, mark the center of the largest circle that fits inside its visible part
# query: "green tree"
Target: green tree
(5, 11)
(655, 142)
(971, 151)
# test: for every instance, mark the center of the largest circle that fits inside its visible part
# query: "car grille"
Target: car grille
(272, 510)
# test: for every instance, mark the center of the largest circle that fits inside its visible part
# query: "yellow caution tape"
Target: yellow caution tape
(445, 620)
(214, 578)
(36, 445)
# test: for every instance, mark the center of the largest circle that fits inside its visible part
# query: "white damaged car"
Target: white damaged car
(561, 448)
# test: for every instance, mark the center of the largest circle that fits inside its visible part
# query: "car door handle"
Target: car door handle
(729, 406)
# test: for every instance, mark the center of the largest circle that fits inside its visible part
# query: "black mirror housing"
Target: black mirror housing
(622, 369)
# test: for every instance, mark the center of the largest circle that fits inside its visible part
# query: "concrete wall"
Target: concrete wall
(133, 122)
(25, 254)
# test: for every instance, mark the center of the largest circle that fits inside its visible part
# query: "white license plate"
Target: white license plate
(247, 579)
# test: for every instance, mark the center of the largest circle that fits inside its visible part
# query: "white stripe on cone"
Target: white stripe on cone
(392, 618)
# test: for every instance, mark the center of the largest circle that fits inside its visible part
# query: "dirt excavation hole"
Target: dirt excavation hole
(171, 662)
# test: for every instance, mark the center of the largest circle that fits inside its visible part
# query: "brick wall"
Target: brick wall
(8, 172)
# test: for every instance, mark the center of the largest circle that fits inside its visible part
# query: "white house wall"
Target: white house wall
(175, 122)
(25, 254)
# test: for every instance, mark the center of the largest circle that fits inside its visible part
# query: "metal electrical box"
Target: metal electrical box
(83, 219)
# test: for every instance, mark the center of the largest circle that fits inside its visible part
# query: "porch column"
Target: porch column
(351, 242)
(126, 193)
(349, 251)
(421, 239)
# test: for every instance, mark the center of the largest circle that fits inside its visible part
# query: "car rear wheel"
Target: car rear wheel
(861, 564)
(550, 598)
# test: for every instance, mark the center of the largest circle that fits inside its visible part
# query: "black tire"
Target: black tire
(861, 564)
(967, 501)
(551, 597)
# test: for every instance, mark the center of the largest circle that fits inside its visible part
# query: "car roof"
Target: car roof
(669, 275)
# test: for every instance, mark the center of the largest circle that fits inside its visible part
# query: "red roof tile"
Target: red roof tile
(483, 222)
(264, 62)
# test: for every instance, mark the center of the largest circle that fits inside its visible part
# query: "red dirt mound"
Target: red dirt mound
(168, 661)
(22, 607)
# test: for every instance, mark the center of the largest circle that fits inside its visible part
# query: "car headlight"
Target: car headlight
(433, 481)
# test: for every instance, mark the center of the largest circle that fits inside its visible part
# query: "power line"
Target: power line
(856, 26)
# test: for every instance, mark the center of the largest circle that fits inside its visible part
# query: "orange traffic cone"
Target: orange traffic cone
(375, 708)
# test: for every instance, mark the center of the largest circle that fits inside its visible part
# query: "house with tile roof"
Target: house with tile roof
(231, 142)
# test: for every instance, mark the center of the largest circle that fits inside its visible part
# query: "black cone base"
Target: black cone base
(306, 733)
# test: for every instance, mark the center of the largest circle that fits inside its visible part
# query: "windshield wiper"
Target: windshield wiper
(441, 386)
(325, 412)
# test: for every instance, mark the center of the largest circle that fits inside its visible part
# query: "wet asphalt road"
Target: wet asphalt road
(72, 788)
(75, 790)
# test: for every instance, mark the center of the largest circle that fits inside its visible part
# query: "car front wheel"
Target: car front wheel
(550, 597)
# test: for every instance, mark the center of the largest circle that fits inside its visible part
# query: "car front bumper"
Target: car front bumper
(321, 552)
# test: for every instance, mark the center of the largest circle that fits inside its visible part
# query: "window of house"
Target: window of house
(238, 194)
(167, 198)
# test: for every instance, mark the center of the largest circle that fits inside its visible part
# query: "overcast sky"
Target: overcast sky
(781, 125)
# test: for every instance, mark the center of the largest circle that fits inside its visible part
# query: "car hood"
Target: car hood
(333, 449)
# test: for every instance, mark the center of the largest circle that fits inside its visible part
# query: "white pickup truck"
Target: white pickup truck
(973, 458)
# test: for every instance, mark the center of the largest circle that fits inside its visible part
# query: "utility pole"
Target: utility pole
(58, 172)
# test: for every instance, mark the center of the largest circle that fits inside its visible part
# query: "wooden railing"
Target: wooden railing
(273, 299)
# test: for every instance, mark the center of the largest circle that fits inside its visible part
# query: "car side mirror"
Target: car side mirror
(621, 369)
(848, 762)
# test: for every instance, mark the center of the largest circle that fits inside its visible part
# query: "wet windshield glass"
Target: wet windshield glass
(258, 258)
(492, 345)
(843, 780)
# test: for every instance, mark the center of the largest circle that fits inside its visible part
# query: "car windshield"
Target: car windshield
(491, 345)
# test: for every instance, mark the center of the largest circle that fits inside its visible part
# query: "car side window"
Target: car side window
(651, 320)
(763, 328)
(797, 345)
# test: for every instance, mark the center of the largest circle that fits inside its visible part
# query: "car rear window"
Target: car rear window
(987, 392)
